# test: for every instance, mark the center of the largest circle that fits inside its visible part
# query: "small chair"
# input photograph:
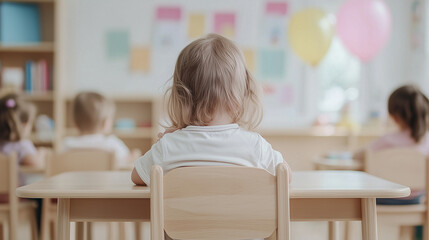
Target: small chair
(220, 203)
(408, 167)
(73, 160)
(10, 212)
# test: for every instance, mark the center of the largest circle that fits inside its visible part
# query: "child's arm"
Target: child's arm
(35, 160)
(136, 178)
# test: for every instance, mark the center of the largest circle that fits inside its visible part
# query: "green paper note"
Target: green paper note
(272, 64)
(117, 44)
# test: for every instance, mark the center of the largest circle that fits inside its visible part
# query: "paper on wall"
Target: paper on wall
(272, 64)
(274, 24)
(224, 24)
(250, 58)
(140, 59)
(168, 32)
(196, 25)
(117, 44)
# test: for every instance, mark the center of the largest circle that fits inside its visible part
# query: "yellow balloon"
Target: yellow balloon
(310, 34)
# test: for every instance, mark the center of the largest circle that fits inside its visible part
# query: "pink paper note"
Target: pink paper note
(224, 23)
(168, 13)
(276, 8)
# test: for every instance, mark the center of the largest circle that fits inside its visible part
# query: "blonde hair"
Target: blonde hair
(90, 110)
(211, 75)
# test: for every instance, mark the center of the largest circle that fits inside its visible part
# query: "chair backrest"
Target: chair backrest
(80, 160)
(406, 166)
(220, 203)
(8, 184)
(8, 173)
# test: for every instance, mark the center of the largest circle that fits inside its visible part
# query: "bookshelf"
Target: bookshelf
(141, 109)
(17, 55)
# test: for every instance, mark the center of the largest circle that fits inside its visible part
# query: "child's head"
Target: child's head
(16, 117)
(210, 79)
(93, 113)
(409, 107)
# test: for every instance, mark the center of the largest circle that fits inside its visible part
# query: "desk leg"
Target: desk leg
(334, 230)
(63, 232)
(369, 219)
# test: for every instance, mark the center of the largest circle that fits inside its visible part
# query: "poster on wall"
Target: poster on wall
(117, 44)
(196, 25)
(274, 24)
(168, 30)
(224, 24)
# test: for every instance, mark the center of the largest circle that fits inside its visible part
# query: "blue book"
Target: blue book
(28, 79)
(19, 23)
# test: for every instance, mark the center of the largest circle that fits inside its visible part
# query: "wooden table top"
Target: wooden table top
(338, 164)
(305, 184)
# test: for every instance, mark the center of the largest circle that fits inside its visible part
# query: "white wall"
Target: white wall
(89, 19)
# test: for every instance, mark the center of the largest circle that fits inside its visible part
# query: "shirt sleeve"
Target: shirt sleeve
(269, 157)
(143, 165)
(121, 150)
(27, 148)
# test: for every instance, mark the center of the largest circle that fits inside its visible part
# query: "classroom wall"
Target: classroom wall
(89, 20)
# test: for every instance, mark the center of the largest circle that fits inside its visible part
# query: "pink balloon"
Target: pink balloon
(364, 27)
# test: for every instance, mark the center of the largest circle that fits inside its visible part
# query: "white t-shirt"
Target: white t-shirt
(209, 146)
(99, 141)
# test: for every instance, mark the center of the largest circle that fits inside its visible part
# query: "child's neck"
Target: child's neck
(221, 119)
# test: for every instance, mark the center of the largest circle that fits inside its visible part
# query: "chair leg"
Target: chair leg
(333, 230)
(425, 231)
(33, 225)
(45, 221)
(121, 230)
(79, 231)
(137, 230)
(53, 230)
(88, 230)
(2, 231)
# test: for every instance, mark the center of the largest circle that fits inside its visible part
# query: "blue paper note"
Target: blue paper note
(117, 44)
(272, 64)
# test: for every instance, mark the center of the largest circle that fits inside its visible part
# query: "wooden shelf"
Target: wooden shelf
(36, 47)
(136, 133)
(39, 96)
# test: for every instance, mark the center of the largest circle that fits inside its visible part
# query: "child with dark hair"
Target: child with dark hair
(16, 121)
(409, 109)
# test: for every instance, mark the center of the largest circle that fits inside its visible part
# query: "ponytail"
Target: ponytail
(411, 106)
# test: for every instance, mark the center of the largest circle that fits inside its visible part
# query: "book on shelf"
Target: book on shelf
(38, 76)
(19, 23)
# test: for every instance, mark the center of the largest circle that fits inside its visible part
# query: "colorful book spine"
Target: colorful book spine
(38, 76)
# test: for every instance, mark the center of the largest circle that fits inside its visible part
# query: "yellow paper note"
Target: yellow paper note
(249, 57)
(140, 59)
(196, 25)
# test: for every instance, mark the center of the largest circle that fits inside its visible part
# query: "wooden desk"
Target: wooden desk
(315, 196)
(322, 163)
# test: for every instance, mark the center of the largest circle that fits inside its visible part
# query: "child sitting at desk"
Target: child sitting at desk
(93, 116)
(212, 98)
(16, 122)
(409, 109)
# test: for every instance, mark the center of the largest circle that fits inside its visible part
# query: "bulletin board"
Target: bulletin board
(131, 46)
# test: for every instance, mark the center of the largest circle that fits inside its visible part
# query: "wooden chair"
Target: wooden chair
(11, 212)
(408, 167)
(74, 160)
(220, 203)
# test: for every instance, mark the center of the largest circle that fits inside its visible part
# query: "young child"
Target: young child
(93, 116)
(16, 121)
(409, 109)
(213, 97)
